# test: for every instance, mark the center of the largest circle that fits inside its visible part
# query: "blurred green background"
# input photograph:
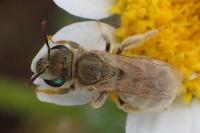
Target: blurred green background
(20, 111)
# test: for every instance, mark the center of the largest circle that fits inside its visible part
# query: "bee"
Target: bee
(135, 83)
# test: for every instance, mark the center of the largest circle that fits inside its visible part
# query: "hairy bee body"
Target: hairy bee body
(138, 83)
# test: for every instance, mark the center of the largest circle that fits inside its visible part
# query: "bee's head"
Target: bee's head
(55, 67)
(58, 67)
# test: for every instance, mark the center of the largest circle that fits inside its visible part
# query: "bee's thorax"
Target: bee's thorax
(91, 69)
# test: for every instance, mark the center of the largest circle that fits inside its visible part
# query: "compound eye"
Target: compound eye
(56, 82)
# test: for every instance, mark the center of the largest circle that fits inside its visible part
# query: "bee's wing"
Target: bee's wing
(143, 77)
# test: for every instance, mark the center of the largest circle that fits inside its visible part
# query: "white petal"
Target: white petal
(176, 119)
(91, 9)
(38, 81)
(195, 114)
(88, 35)
(76, 97)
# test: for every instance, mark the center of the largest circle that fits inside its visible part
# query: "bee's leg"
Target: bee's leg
(99, 100)
(105, 37)
(56, 92)
(136, 40)
(120, 103)
(108, 43)
(125, 106)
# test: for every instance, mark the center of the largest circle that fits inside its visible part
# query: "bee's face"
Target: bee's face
(58, 68)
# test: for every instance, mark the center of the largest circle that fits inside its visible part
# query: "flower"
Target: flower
(177, 44)
(91, 9)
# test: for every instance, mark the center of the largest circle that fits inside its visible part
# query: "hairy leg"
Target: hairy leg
(105, 37)
(136, 40)
(99, 100)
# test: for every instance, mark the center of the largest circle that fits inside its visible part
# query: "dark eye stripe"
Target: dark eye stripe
(63, 47)
(55, 82)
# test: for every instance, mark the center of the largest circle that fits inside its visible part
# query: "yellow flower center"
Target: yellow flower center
(178, 44)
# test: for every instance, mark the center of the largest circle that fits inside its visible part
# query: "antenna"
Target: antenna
(44, 31)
